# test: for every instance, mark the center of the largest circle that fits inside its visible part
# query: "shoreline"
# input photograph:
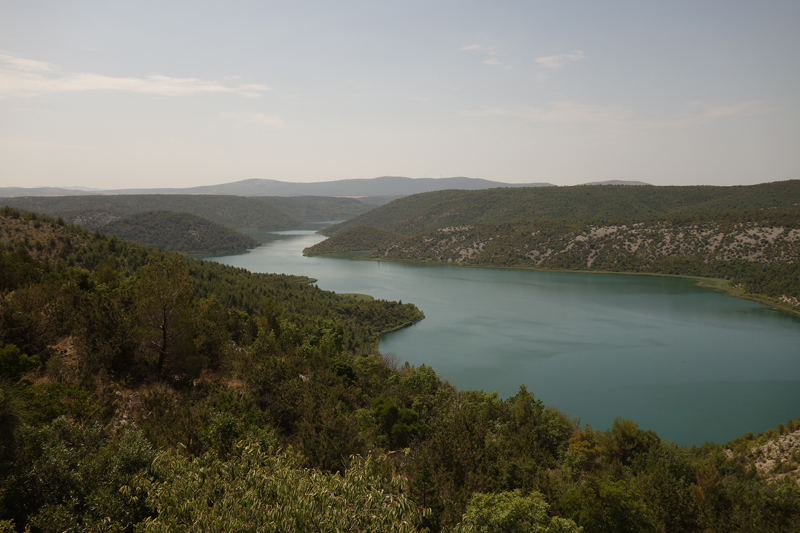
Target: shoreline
(401, 326)
(716, 284)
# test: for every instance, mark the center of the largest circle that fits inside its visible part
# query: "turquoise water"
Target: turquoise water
(691, 363)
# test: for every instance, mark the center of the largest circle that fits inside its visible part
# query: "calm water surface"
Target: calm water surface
(691, 363)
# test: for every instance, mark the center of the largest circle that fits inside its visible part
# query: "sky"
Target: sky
(130, 94)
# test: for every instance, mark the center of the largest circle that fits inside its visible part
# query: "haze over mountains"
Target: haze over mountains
(382, 186)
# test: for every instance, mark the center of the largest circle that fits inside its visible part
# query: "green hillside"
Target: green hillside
(355, 239)
(93, 212)
(146, 391)
(602, 204)
(239, 213)
(178, 232)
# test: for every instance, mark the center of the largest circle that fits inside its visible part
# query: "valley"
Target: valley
(268, 372)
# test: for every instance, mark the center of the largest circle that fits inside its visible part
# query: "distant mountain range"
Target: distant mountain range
(14, 192)
(383, 186)
(617, 182)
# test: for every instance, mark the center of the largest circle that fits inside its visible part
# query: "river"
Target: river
(688, 362)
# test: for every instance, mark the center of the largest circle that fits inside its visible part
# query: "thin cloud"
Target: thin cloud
(274, 121)
(489, 50)
(20, 77)
(477, 48)
(29, 65)
(568, 112)
(560, 60)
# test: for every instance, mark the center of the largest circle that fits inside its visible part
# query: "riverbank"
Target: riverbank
(402, 326)
(717, 284)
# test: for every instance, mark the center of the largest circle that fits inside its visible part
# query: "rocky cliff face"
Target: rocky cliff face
(600, 247)
(775, 454)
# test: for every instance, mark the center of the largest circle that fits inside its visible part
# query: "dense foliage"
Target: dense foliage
(178, 232)
(253, 489)
(150, 392)
(583, 203)
(355, 239)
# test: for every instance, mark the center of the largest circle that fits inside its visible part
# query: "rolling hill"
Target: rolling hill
(596, 203)
(238, 213)
(178, 232)
(94, 212)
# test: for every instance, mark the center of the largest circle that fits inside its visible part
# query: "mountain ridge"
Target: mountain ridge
(380, 186)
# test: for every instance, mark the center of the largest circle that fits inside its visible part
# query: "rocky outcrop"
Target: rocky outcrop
(590, 246)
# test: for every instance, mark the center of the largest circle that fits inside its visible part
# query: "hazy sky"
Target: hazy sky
(175, 94)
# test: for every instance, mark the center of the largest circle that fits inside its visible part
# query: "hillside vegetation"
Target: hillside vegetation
(144, 391)
(94, 212)
(178, 232)
(238, 213)
(350, 239)
(596, 204)
(749, 236)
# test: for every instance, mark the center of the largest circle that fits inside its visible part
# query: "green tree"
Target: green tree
(605, 505)
(67, 477)
(396, 424)
(628, 441)
(13, 412)
(164, 306)
(14, 363)
(512, 512)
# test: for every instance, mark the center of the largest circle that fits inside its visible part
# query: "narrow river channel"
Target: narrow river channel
(690, 363)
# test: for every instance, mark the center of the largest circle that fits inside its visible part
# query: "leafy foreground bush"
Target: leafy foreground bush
(66, 477)
(512, 512)
(80, 483)
(258, 489)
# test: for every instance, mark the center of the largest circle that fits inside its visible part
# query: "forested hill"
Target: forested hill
(144, 391)
(178, 232)
(94, 212)
(585, 203)
(238, 213)
(749, 236)
(49, 244)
